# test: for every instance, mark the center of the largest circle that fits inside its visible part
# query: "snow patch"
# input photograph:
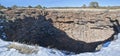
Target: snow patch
(4, 51)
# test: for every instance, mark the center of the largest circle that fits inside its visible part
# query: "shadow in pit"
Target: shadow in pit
(116, 29)
(40, 31)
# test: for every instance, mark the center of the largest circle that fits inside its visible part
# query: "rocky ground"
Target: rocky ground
(82, 25)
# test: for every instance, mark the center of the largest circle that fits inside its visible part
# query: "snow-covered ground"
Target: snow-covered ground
(4, 51)
(112, 50)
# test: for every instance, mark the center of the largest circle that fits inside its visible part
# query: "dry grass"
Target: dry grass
(98, 47)
(22, 48)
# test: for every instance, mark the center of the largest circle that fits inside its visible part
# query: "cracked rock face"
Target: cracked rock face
(88, 26)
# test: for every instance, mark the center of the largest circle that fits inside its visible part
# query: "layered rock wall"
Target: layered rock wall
(83, 25)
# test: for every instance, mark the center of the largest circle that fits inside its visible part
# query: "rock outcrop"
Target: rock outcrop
(76, 31)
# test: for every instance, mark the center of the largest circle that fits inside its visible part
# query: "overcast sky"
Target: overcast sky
(59, 3)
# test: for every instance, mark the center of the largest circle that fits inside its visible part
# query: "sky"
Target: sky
(58, 3)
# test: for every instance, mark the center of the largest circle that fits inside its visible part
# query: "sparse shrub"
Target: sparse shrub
(84, 6)
(14, 7)
(2, 7)
(9, 8)
(94, 5)
(29, 6)
(38, 6)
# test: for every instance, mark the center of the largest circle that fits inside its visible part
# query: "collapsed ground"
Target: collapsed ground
(75, 31)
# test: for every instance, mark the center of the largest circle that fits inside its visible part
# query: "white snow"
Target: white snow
(112, 50)
(13, 52)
